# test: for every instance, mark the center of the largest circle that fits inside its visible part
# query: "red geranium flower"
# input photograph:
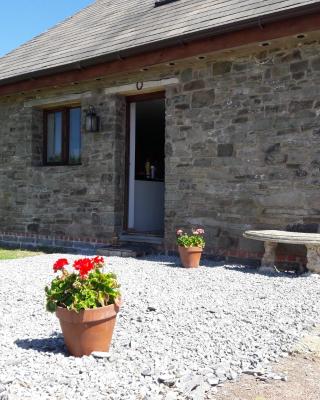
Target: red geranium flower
(98, 260)
(84, 266)
(60, 264)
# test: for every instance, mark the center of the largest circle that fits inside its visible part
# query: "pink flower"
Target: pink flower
(179, 232)
(198, 231)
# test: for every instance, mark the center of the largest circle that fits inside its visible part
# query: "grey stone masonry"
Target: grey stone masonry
(243, 147)
(241, 152)
(83, 201)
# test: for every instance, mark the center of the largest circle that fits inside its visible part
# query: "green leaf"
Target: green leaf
(51, 306)
(76, 293)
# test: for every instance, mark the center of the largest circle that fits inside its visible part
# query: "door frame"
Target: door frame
(129, 101)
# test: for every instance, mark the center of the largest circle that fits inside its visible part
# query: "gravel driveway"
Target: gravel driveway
(180, 332)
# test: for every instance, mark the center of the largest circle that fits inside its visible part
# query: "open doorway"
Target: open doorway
(146, 166)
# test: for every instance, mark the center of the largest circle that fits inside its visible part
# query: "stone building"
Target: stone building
(207, 115)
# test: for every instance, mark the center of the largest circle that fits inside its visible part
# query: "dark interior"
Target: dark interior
(150, 127)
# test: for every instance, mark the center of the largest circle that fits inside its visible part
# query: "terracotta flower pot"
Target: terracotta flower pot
(89, 330)
(190, 256)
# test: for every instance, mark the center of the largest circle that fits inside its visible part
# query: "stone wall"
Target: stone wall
(242, 152)
(81, 201)
(242, 147)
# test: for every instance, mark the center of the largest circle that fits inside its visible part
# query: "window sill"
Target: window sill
(60, 165)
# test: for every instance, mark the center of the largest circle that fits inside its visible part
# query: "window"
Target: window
(62, 144)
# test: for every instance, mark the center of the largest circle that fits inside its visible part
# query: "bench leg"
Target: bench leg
(268, 260)
(313, 257)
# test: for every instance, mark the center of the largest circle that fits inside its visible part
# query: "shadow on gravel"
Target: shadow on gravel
(203, 264)
(53, 344)
(167, 261)
(219, 262)
(174, 261)
(254, 271)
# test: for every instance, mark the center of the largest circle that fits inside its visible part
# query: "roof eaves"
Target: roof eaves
(178, 40)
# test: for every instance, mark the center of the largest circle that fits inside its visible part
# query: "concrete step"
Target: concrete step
(133, 245)
(127, 250)
(145, 239)
(117, 251)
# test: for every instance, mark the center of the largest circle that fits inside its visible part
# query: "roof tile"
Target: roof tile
(109, 27)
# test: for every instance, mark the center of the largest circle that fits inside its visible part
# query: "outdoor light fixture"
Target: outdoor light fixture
(92, 120)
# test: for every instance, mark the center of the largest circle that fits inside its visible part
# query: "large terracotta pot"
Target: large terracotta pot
(190, 256)
(89, 330)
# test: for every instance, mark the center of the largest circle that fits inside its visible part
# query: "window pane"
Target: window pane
(75, 136)
(54, 138)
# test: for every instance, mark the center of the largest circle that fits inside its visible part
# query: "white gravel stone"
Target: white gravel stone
(193, 327)
(171, 396)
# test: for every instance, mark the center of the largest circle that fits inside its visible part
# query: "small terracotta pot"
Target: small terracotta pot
(89, 330)
(190, 256)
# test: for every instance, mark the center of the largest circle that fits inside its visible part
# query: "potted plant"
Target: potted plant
(86, 300)
(190, 247)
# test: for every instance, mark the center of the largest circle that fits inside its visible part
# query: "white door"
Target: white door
(146, 167)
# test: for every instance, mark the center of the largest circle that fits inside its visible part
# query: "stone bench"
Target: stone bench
(272, 238)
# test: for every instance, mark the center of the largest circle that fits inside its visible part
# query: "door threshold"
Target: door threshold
(141, 238)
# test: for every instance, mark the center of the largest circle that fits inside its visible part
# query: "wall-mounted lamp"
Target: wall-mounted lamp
(92, 120)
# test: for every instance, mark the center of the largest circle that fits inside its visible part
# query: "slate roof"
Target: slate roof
(109, 29)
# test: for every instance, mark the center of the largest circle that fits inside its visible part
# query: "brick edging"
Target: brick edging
(52, 241)
(85, 243)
